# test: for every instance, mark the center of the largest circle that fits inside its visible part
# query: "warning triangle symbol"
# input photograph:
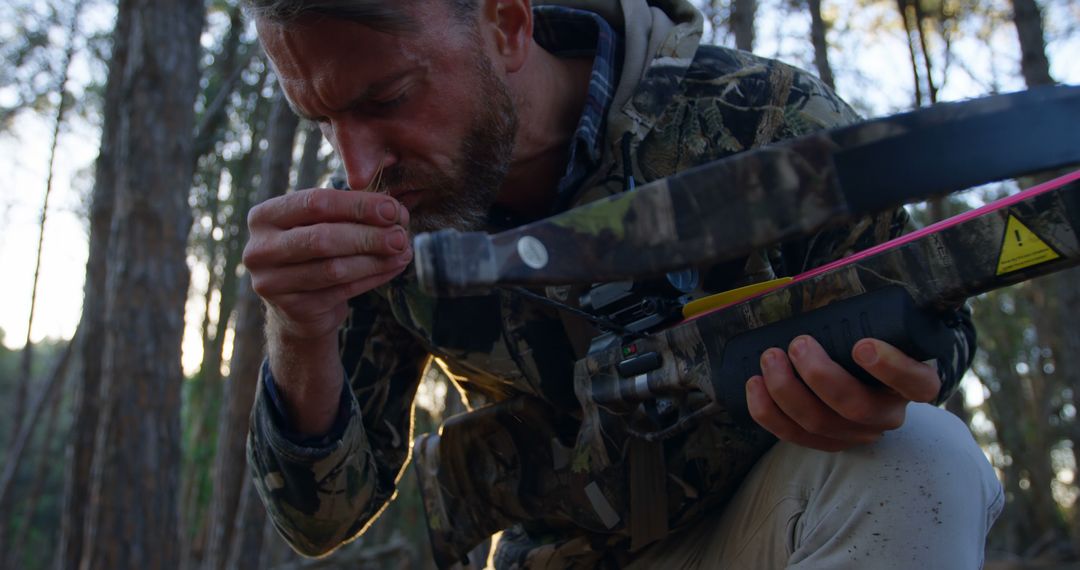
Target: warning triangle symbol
(1021, 248)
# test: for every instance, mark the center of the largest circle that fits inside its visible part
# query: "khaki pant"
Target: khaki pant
(923, 497)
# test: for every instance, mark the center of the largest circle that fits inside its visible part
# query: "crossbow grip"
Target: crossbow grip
(887, 314)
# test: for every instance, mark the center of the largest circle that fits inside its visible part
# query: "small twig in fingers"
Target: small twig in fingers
(376, 180)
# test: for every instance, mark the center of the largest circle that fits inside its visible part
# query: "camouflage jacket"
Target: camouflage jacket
(678, 104)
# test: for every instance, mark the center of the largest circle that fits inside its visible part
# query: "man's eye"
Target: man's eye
(393, 103)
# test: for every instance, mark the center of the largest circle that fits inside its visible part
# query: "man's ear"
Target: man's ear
(510, 26)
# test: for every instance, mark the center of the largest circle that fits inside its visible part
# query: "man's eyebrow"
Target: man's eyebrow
(364, 96)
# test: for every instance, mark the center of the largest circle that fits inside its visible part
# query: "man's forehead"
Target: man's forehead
(388, 16)
(316, 41)
(319, 23)
(343, 63)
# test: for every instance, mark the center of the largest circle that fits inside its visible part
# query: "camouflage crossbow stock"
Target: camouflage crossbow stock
(724, 210)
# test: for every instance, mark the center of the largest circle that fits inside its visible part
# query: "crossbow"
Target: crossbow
(726, 209)
(673, 353)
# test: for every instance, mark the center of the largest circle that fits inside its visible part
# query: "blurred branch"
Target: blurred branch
(214, 115)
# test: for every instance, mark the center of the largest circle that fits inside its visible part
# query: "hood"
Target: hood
(661, 38)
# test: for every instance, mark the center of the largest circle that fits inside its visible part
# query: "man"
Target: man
(485, 114)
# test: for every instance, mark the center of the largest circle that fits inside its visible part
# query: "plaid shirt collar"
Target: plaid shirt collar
(569, 32)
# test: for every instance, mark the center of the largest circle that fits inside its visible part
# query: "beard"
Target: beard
(460, 199)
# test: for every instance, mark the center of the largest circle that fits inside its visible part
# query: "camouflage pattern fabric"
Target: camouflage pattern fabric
(724, 209)
(678, 105)
(934, 270)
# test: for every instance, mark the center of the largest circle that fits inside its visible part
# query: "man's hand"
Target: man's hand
(308, 254)
(829, 409)
(311, 251)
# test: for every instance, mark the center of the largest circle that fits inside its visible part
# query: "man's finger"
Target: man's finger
(321, 205)
(323, 241)
(913, 380)
(323, 273)
(852, 399)
(305, 307)
(769, 416)
(796, 400)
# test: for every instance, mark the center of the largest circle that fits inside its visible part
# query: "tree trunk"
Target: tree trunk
(924, 47)
(248, 532)
(1029, 29)
(132, 519)
(1067, 360)
(1019, 407)
(818, 29)
(902, 6)
(86, 401)
(743, 13)
(1059, 323)
(205, 395)
(229, 463)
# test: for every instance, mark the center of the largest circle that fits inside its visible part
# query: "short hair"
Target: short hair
(382, 15)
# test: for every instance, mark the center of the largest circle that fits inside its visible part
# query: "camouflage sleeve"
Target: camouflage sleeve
(812, 106)
(322, 492)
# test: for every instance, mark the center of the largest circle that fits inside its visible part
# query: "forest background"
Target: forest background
(125, 385)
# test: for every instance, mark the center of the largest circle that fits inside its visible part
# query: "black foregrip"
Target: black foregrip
(887, 314)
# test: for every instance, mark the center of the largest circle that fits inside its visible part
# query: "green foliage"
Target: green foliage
(45, 354)
(1025, 404)
(33, 39)
(44, 521)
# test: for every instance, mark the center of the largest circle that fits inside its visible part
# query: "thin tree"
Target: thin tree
(906, 15)
(921, 21)
(229, 463)
(1059, 295)
(1019, 407)
(62, 105)
(222, 258)
(818, 31)
(132, 521)
(86, 397)
(742, 21)
(1034, 65)
(41, 470)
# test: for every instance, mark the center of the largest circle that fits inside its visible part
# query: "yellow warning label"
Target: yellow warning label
(1022, 248)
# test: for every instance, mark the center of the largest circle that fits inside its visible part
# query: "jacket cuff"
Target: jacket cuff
(282, 431)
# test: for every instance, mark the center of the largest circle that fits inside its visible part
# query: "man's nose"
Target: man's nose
(363, 152)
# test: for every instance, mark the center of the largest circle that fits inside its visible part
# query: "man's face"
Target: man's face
(421, 113)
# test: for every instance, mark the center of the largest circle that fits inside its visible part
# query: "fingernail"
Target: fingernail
(866, 353)
(768, 361)
(397, 240)
(388, 211)
(752, 384)
(798, 347)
